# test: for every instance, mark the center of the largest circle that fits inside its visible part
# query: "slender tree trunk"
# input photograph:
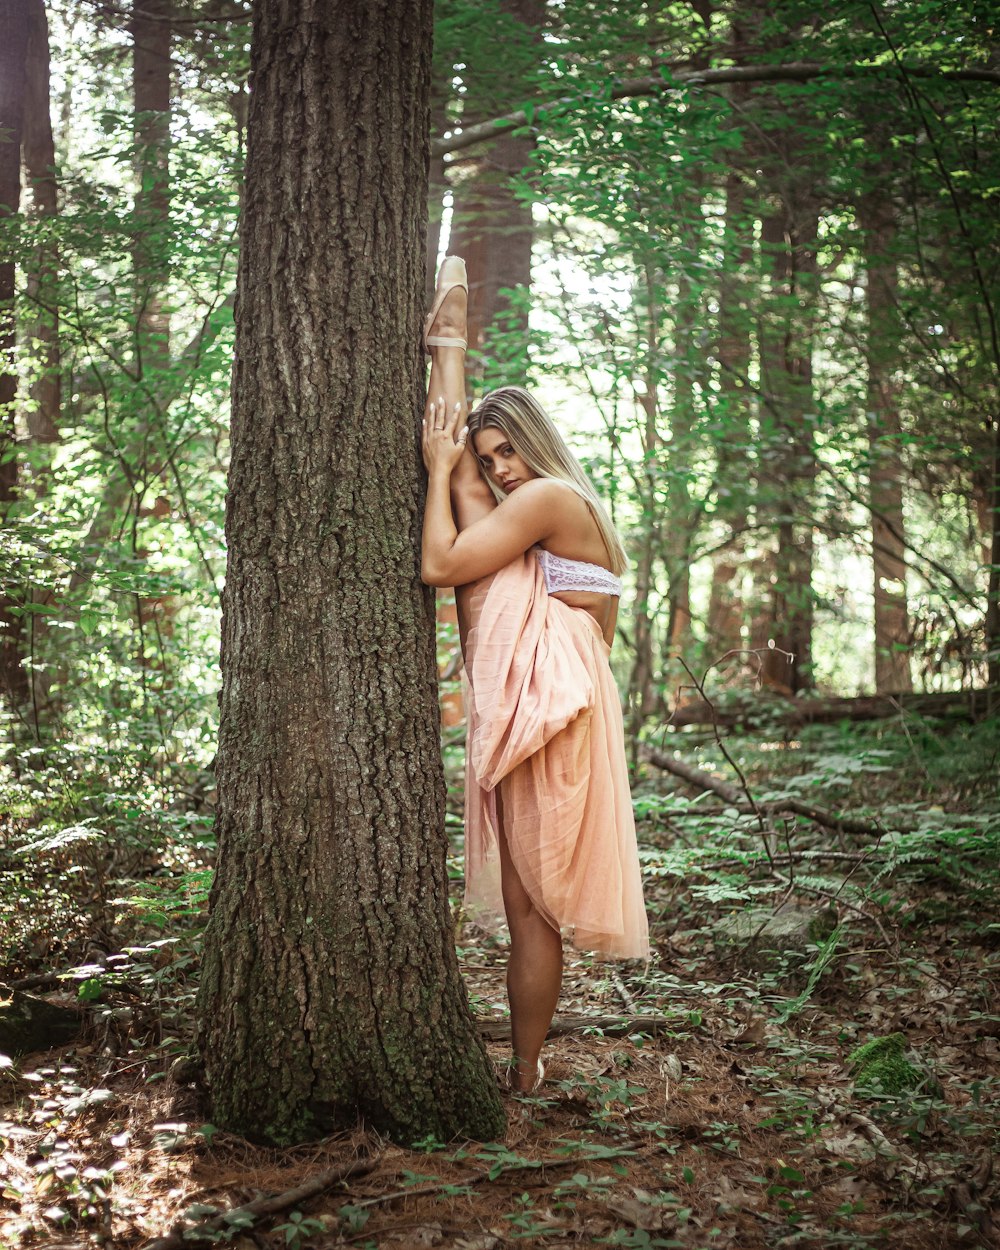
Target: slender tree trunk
(642, 688)
(42, 417)
(678, 531)
(493, 230)
(151, 89)
(40, 165)
(993, 591)
(726, 608)
(642, 682)
(14, 25)
(437, 185)
(892, 631)
(330, 982)
(788, 454)
(151, 75)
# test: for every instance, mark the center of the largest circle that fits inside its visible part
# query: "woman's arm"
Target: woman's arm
(471, 498)
(450, 558)
(453, 558)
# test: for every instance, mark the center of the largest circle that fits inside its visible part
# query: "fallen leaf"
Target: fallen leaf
(754, 1034)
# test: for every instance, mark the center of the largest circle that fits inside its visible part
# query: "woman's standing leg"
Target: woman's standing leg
(534, 970)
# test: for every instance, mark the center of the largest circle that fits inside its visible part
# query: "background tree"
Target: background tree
(13, 52)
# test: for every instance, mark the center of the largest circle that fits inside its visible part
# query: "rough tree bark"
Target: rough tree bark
(330, 982)
(13, 49)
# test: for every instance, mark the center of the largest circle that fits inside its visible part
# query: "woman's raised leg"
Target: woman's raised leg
(471, 498)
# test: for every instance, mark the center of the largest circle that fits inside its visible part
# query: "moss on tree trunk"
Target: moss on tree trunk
(330, 982)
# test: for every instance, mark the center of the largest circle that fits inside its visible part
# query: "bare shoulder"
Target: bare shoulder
(547, 492)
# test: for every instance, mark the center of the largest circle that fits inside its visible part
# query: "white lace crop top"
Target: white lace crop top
(563, 574)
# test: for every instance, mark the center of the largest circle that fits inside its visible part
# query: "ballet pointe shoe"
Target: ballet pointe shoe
(450, 275)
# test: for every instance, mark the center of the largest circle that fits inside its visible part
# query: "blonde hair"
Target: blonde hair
(529, 430)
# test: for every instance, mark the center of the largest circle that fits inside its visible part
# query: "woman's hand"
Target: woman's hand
(442, 447)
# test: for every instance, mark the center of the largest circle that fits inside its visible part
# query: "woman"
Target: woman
(513, 523)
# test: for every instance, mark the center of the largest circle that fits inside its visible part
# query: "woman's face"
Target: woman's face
(500, 460)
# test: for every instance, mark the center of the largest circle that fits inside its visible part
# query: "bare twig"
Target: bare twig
(628, 1002)
(836, 899)
(700, 687)
(474, 1178)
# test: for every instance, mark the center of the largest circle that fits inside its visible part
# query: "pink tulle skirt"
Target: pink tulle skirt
(545, 732)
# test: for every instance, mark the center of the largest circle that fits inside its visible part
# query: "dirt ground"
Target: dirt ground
(714, 1108)
(726, 1128)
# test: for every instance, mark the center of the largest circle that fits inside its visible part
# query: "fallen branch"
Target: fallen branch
(694, 776)
(792, 714)
(705, 781)
(181, 1238)
(499, 1030)
(801, 857)
(474, 1178)
(628, 1002)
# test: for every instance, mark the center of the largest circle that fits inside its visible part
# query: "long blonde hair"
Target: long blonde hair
(529, 430)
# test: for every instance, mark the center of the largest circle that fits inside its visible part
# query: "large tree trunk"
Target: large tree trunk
(330, 982)
(892, 631)
(13, 51)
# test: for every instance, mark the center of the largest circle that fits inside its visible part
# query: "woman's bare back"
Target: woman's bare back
(578, 538)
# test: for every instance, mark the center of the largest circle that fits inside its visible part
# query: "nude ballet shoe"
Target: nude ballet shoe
(450, 275)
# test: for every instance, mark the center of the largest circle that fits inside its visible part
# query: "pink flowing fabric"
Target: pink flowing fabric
(545, 732)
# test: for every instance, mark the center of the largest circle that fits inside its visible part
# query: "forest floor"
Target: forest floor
(733, 1120)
